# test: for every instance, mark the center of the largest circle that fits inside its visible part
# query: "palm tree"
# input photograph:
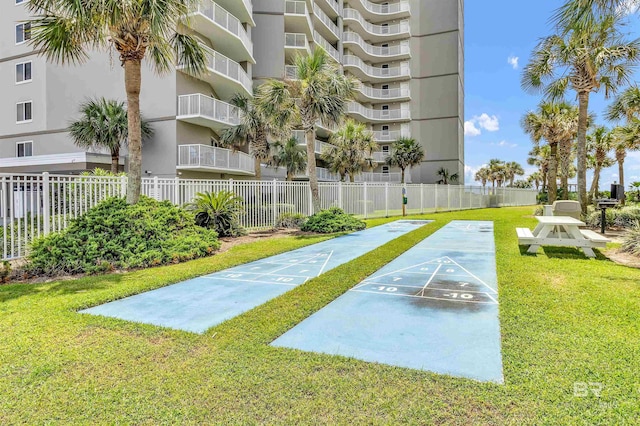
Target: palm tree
(599, 143)
(319, 93)
(555, 123)
(582, 14)
(625, 138)
(104, 125)
(483, 175)
(585, 59)
(405, 153)
(290, 155)
(513, 169)
(496, 172)
(446, 177)
(351, 148)
(65, 31)
(536, 179)
(539, 157)
(254, 130)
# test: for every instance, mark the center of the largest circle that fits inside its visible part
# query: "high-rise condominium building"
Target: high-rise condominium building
(407, 56)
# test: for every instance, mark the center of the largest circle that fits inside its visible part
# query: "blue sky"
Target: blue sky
(499, 38)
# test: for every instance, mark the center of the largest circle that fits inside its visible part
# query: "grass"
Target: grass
(565, 319)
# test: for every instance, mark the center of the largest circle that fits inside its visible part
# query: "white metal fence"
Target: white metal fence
(32, 205)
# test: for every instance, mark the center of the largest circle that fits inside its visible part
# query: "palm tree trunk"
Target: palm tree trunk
(620, 157)
(553, 170)
(310, 136)
(595, 183)
(352, 177)
(565, 165)
(132, 82)
(115, 158)
(401, 175)
(289, 176)
(583, 106)
(257, 169)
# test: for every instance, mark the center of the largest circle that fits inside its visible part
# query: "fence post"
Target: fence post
(386, 199)
(340, 204)
(421, 198)
(448, 198)
(435, 198)
(176, 191)
(123, 186)
(230, 187)
(156, 188)
(46, 206)
(366, 200)
(273, 201)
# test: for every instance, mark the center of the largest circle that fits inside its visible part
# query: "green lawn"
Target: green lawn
(564, 320)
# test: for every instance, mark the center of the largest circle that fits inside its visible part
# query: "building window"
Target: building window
(24, 112)
(20, 1)
(385, 170)
(385, 130)
(23, 33)
(385, 69)
(385, 110)
(24, 149)
(23, 72)
(385, 149)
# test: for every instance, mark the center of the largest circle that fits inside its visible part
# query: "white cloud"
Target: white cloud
(627, 7)
(470, 129)
(483, 121)
(513, 61)
(470, 174)
(505, 144)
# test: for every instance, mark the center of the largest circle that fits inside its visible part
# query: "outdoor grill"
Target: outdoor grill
(604, 204)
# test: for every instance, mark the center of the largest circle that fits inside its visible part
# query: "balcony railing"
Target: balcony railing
(379, 177)
(389, 51)
(217, 62)
(386, 9)
(378, 72)
(324, 18)
(296, 40)
(332, 51)
(373, 93)
(319, 148)
(210, 157)
(378, 30)
(295, 7)
(378, 114)
(380, 156)
(390, 136)
(226, 20)
(199, 105)
(322, 174)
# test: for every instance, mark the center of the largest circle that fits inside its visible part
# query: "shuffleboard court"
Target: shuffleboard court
(433, 308)
(198, 304)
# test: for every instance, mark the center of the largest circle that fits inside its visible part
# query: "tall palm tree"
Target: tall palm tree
(581, 14)
(539, 157)
(65, 31)
(320, 92)
(536, 179)
(254, 129)
(496, 172)
(351, 148)
(290, 155)
(446, 177)
(599, 144)
(405, 153)
(554, 122)
(104, 125)
(585, 59)
(625, 138)
(482, 176)
(513, 169)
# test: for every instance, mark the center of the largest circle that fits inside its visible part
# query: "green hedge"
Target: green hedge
(332, 220)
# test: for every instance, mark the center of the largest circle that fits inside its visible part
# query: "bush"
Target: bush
(291, 220)
(625, 217)
(332, 220)
(114, 235)
(218, 211)
(631, 243)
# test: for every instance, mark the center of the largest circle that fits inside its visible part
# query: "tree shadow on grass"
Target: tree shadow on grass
(59, 288)
(563, 253)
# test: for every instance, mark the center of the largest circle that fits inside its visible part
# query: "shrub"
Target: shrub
(332, 220)
(114, 234)
(625, 217)
(539, 211)
(218, 211)
(291, 220)
(631, 243)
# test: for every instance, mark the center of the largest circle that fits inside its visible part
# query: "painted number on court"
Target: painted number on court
(466, 296)
(387, 289)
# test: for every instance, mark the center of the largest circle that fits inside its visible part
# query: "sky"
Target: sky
(499, 37)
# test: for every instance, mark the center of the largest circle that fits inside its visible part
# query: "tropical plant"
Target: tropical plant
(66, 31)
(521, 184)
(320, 92)
(104, 125)
(405, 153)
(631, 242)
(496, 172)
(625, 138)
(332, 220)
(535, 179)
(290, 155)
(599, 144)
(350, 151)
(446, 177)
(219, 211)
(483, 175)
(634, 188)
(513, 169)
(539, 157)
(255, 129)
(586, 59)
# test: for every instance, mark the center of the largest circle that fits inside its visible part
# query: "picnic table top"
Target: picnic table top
(559, 220)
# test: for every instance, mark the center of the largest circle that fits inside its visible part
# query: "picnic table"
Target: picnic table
(560, 231)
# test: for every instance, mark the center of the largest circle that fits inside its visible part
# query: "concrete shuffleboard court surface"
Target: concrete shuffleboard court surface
(434, 308)
(201, 303)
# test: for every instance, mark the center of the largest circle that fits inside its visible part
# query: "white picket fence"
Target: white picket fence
(32, 205)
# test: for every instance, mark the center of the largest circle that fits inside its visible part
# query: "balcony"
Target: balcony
(226, 76)
(207, 158)
(370, 94)
(243, 9)
(332, 51)
(390, 136)
(331, 8)
(376, 33)
(326, 26)
(207, 112)
(297, 17)
(322, 174)
(378, 115)
(60, 163)
(375, 53)
(369, 73)
(374, 12)
(295, 44)
(380, 156)
(381, 177)
(223, 29)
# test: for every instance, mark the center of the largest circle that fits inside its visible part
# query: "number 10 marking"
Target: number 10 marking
(389, 289)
